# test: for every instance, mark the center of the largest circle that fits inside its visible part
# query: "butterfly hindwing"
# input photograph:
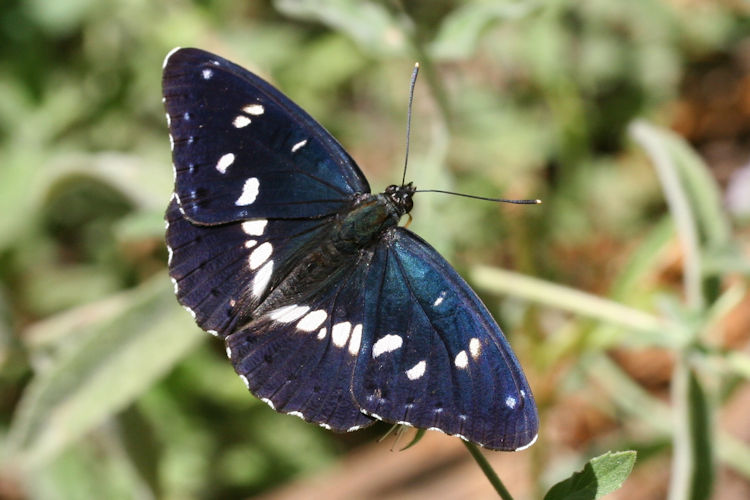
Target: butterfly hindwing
(243, 150)
(299, 358)
(432, 356)
(222, 273)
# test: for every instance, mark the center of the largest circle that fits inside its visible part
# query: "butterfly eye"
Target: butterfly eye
(407, 202)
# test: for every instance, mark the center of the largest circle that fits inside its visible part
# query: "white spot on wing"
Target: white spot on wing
(170, 255)
(322, 333)
(249, 192)
(245, 380)
(175, 286)
(213, 332)
(387, 343)
(439, 300)
(262, 277)
(475, 347)
(312, 320)
(224, 162)
(298, 145)
(254, 109)
(207, 74)
(241, 121)
(169, 54)
(171, 145)
(340, 333)
(268, 402)
(251, 243)
(296, 414)
(287, 314)
(356, 340)
(260, 255)
(510, 402)
(192, 313)
(229, 353)
(462, 360)
(417, 370)
(254, 227)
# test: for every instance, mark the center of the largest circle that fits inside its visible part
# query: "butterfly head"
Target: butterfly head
(400, 196)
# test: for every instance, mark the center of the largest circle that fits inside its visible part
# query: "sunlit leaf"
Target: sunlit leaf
(601, 475)
(123, 355)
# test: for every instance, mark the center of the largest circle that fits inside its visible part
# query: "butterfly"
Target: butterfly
(329, 310)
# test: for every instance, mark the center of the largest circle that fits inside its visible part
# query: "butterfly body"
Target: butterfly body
(329, 310)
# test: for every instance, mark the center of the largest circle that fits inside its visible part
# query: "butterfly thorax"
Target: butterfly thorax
(370, 216)
(335, 251)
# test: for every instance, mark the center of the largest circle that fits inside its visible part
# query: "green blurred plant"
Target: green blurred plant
(103, 391)
(683, 325)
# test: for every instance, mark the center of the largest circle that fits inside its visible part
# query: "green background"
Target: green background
(624, 294)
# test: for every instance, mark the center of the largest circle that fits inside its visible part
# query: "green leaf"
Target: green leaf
(700, 435)
(461, 31)
(417, 438)
(704, 192)
(369, 24)
(601, 475)
(657, 330)
(121, 355)
(692, 463)
(656, 144)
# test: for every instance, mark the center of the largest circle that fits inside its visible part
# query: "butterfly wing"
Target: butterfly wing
(396, 336)
(256, 182)
(222, 273)
(431, 354)
(243, 150)
(300, 357)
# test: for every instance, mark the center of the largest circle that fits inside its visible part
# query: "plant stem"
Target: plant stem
(488, 471)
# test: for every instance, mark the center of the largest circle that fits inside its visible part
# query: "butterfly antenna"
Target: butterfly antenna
(408, 117)
(412, 83)
(499, 200)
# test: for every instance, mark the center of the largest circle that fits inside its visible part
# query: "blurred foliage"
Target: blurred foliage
(103, 393)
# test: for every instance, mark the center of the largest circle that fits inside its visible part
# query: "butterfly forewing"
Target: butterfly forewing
(432, 356)
(242, 150)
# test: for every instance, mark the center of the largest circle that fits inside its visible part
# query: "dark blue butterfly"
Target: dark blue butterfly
(329, 310)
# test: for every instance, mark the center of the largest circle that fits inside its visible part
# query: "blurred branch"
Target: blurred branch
(658, 330)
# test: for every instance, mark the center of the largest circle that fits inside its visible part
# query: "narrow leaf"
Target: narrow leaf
(692, 462)
(121, 356)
